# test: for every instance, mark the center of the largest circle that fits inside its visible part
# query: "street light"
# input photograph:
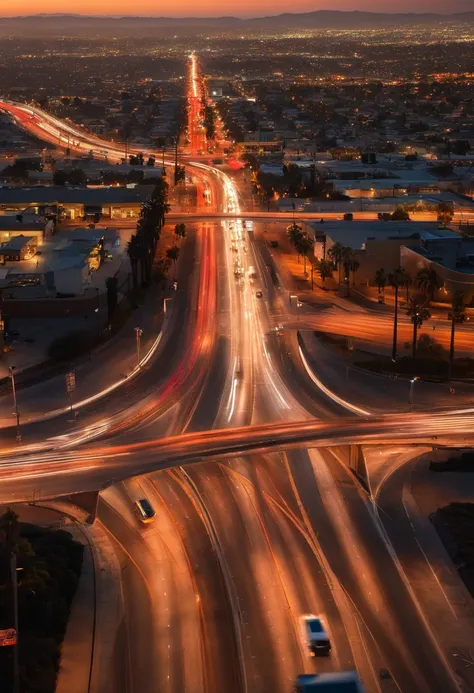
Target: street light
(298, 305)
(412, 389)
(138, 332)
(97, 312)
(15, 404)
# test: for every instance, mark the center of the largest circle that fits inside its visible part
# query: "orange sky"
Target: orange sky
(225, 7)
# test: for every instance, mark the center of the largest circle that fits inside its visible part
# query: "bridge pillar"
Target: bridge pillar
(358, 465)
(88, 501)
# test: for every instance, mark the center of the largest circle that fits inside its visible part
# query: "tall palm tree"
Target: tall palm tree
(348, 257)
(294, 232)
(133, 253)
(305, 244)
(418, 312)
(354, 266)
(336, 253)
(380, 280)
(396, 279)
(428, 281)
(325, 269)
(457, 315)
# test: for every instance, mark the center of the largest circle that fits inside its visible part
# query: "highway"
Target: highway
(258, 522)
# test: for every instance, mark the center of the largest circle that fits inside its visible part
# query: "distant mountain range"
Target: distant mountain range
(54, 24)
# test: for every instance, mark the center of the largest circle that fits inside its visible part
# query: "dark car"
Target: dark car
(144, 510)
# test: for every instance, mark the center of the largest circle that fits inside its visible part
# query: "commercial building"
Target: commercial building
(75, 203)
(381, 244)
(21, 224)
(453, 260)
(18, 248)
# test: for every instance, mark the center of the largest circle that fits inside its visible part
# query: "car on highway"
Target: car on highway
(316, 636)
(259, 294)
(143, 508)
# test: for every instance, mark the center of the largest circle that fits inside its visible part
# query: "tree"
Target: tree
(172, 253)
(457, 315)
(442, 170)
(133, 255)
(60, 177)
(400, 214)
(180, 230)
(305, 244)
(429, 282)
(418, 312)
(336, 253)
(294, 232)
(445, 213)
(77, 177)
(325, 269)
(396, 279)
(348, 258)
(112, 291)
(380, 280)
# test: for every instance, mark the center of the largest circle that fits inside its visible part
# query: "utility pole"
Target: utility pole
(14, 583)
(15, 403)
(138, 332)
(176, 156)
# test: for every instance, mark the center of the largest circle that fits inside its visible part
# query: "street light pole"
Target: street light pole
(138, 332)
(15, 403)
(412, 391)
(97, 312)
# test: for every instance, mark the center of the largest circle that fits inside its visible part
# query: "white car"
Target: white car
(316, 636)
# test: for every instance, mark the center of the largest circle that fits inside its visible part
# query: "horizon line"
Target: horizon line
(226, 16)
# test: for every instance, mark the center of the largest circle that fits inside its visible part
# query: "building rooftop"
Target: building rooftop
(9, 222)
(64, 195)
(355, 233)
(16, 243)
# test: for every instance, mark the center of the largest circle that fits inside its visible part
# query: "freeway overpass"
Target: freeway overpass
(65, 472)
(287, 216)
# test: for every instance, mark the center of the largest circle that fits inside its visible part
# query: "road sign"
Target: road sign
(70, 382)
(7, 637)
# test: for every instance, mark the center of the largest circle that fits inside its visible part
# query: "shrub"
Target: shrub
(71, 345)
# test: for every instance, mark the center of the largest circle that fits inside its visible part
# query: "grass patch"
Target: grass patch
(50, 563)
(455, 526)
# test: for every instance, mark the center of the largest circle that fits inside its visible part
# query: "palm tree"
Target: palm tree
(457, 315)
(396, 280)
(428, 281)
(305, 244)
(294, 232)
(418, 312)
(354, 266)
(325, 269)
(133, 255)
(380, 280)
(336, 253)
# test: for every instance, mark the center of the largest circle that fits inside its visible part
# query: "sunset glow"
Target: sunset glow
(228, 7)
